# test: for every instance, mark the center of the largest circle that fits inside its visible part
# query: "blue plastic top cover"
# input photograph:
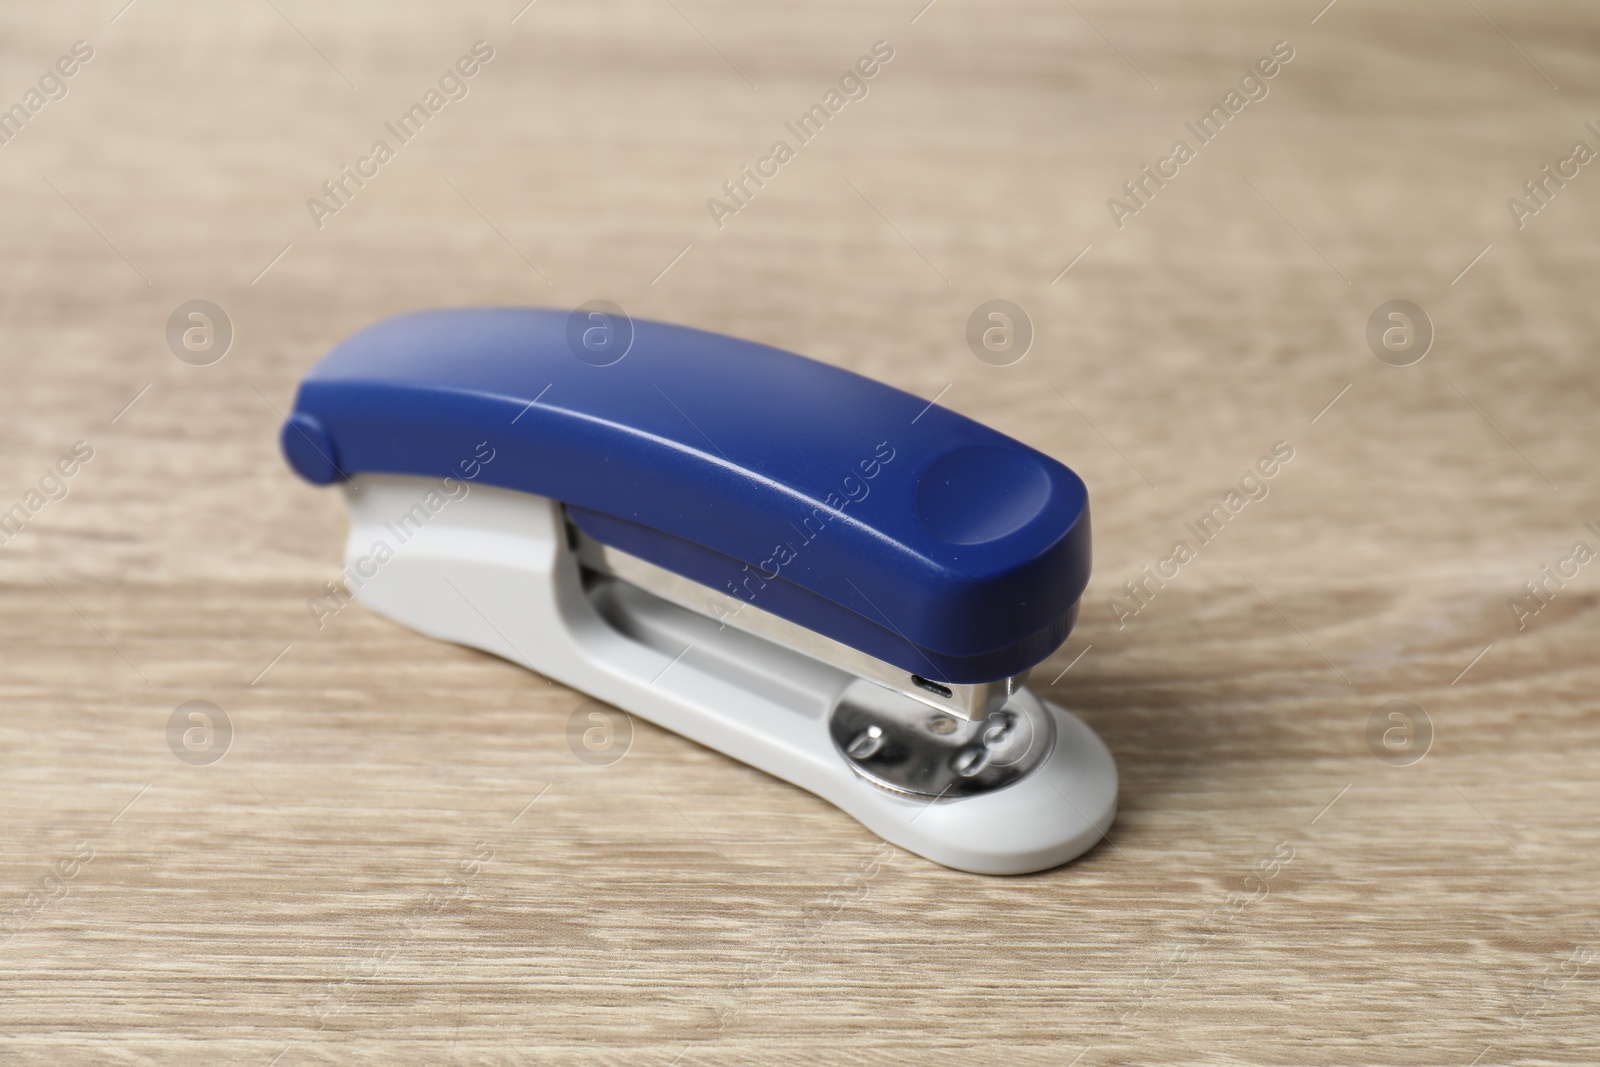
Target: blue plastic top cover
(904, 530)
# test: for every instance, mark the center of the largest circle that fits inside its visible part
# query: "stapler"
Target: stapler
(829, 579)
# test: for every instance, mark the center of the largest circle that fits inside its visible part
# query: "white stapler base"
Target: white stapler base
(493, 570)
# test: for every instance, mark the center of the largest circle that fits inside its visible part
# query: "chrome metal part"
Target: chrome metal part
(965, 702)
(907, 748)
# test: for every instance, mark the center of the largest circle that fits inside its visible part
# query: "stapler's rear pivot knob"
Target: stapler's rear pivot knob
(808, 570)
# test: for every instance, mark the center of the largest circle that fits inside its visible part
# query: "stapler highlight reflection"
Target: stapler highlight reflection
(802, 568)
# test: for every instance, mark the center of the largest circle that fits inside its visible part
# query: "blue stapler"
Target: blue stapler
(807, 570)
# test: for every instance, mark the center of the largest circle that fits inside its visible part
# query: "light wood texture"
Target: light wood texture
(303, 901)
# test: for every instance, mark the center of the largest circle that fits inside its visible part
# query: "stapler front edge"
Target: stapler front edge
(825, 577)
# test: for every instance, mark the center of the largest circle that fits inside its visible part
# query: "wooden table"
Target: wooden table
(401, 859)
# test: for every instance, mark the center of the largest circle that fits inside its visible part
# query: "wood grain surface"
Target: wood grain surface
(400, 858)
